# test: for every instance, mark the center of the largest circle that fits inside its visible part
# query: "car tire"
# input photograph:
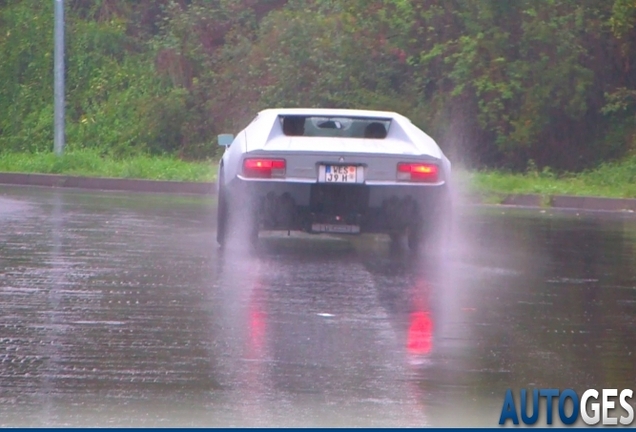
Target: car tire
(396, 237)
(234, 222)
(254, 234)
(414, 237)
(222, 218)
(396, 240)
(247, 226)
(434, 228)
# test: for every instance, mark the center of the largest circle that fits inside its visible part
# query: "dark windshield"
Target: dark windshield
(338, 126)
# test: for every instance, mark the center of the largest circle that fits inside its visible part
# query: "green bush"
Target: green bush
(495, 82)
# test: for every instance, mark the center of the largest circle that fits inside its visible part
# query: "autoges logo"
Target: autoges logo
(608, 406)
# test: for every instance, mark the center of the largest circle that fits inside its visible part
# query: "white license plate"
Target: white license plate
(340, 174)
(336, 229)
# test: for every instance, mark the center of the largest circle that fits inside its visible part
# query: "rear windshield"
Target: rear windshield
(339, 126)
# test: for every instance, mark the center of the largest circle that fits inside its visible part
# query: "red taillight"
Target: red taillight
(419, 172)
(264, 168)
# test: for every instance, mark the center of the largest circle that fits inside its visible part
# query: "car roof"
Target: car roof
(331, 112)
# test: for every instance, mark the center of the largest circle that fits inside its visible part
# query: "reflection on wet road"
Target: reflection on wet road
(120, 310)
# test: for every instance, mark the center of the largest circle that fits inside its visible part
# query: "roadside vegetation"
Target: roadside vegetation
(615, 180)
(528, 96)
(91, 163)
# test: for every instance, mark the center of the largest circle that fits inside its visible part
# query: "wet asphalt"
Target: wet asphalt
(120, 310)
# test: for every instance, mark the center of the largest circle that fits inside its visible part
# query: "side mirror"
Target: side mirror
(225, 139)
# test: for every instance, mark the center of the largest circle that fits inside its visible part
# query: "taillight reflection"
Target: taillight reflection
(420, 334)
(418, 172)
(419, 338)
(264, 168)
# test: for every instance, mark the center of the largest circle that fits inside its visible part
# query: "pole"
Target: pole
(58, 67)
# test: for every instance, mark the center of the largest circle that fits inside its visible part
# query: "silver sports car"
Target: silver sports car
(332, 171)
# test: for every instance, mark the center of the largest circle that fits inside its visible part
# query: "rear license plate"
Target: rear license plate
(340, 174)
(336, 229)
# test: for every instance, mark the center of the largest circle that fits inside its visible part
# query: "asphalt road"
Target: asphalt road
(120, 310)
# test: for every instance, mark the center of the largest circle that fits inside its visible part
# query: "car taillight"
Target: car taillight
(418, 172)
(264, 168)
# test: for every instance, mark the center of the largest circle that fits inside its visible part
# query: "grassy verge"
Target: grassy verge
(89, 163)
(616, 180)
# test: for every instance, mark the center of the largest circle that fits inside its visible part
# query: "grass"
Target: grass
(616, 179)
(90, 163)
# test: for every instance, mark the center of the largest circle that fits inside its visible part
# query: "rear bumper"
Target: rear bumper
(300, 192)
(373, 208)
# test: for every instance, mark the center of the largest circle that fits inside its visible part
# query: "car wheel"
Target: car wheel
(234, 224)
(254, 234)
(396, 237)
(245, 221)
(396, 240)
(414, 236)
(434, 228)
(222, 217)
(442, 222)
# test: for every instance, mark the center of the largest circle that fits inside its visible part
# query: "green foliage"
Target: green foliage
(622, 99)
(523, 65)
(497, 82)
(26, 81)
(115, 100)
(323, 60)
(623, 20)
(616, 180)
(90, 162)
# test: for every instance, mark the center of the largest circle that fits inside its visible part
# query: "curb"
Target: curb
(593, 203)
(571, 202)
(108, 184)
(524, 200)
(208, 188)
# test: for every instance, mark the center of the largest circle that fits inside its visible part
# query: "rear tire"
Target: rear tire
(234, 224)
(254, 235)
(222, 216)
(396, 238)
(415, 237)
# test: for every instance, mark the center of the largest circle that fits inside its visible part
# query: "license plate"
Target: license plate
(340, 174)
(336, 229)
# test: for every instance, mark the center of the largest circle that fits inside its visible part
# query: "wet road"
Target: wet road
(119, 309)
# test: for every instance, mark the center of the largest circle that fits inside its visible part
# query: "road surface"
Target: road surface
(119, 310)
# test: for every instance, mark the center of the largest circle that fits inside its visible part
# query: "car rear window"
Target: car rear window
(336, 126)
